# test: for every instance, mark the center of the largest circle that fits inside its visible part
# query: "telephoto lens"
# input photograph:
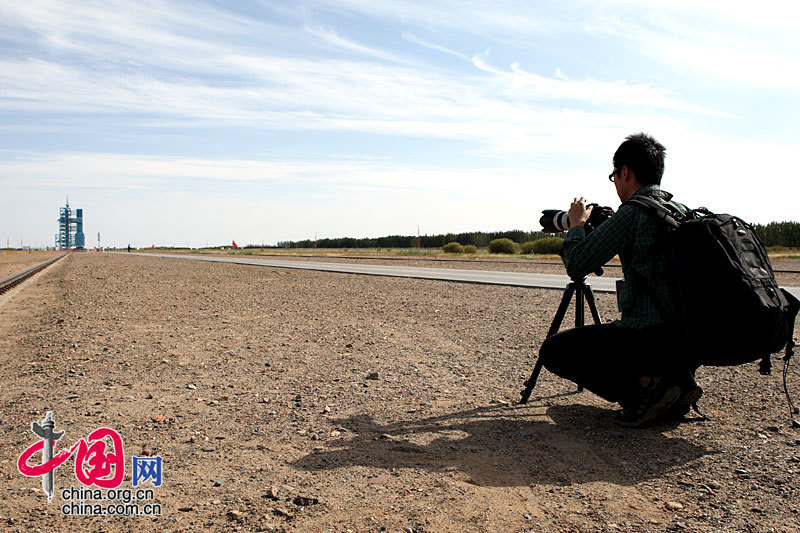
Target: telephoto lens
(554, 221)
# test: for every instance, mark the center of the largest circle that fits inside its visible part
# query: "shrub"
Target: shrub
(453, 248)
(503, 246)
(470, 249)
(546, 245)
(778, 249)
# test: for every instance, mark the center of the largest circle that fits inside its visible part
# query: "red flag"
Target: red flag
(235, 245)
(153, 246)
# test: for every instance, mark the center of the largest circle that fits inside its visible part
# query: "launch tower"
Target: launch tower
(70, 229)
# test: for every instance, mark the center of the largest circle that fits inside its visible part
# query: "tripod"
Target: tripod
(582, 292)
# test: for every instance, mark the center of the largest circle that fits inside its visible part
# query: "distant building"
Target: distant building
(70, 229)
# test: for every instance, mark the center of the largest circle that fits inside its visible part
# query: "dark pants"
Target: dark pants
(609, 360)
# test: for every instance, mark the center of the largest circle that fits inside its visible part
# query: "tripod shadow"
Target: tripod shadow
(508, 446)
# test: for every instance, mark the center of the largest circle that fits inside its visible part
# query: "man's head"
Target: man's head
(644, 156)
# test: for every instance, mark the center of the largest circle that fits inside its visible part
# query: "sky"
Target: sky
(196, 123)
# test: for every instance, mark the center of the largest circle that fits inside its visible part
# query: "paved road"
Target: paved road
(516, 279)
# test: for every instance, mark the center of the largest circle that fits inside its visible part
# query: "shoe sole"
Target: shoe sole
(671, 395)
(692, 396)
(683, 406)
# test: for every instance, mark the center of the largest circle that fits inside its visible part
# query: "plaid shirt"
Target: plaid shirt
(631, 233)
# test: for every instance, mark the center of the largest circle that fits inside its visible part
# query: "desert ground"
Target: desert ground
(287, 400)
(13, 262)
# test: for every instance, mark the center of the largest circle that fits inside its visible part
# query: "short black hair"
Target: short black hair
(644, 156)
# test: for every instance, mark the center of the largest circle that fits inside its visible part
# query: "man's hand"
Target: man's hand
(578, 214)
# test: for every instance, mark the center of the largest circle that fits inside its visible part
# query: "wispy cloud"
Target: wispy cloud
(499, 18)
(504, 110)
(94, 29)
(136, 172)
(330, 36)
(729, 40)
(410, 37)
(714, 41)
(528, 86)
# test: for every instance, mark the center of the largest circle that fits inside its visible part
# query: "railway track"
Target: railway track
(8, 283)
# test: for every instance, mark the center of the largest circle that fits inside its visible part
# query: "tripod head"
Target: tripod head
(581, 282)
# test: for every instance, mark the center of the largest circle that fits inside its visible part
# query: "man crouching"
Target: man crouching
(638, 360)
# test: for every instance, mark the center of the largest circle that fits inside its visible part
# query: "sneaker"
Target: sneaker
(686, 402)
(690, 390)
(654, 399)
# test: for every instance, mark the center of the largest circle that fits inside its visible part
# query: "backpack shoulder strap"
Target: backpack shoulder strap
(649, 204)
(656, 208)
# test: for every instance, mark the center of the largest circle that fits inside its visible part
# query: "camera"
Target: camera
(554, 220)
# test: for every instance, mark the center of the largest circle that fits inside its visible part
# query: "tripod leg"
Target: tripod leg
(531, 383)
(562, 310)
(580, 294)
(592, 305)
(556, 324)
(580, 317)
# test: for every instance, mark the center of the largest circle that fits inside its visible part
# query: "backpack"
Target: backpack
(729, 305)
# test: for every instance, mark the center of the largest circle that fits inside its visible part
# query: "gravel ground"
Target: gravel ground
(285, 400)
(13, 262)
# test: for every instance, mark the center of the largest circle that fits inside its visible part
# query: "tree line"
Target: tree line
(476, 238)
(779, 234)
(772, 234)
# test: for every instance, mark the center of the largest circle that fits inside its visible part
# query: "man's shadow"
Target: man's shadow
(509, 446)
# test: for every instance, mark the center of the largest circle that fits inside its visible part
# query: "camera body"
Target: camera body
(555, 221)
